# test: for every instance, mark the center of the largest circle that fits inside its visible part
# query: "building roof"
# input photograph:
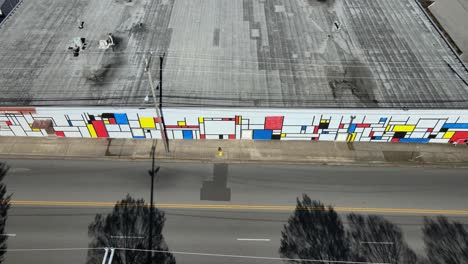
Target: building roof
(274, 53)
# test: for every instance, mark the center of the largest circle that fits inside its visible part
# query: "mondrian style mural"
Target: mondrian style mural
(192, 124)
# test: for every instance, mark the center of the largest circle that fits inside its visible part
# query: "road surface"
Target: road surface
(264, 195)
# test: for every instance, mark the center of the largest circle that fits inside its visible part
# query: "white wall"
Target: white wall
(379, 125)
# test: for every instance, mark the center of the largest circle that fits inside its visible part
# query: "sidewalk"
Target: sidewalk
(237, 151)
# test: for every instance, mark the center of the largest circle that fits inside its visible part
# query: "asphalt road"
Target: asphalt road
(212, 231)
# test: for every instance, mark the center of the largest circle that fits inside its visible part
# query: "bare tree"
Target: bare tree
(314, 232)
(375, 239)
(446, 241)
(4, 206)
(127, 227)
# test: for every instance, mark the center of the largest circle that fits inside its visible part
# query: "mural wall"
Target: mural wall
(381, 125)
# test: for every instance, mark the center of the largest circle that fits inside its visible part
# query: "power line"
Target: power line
(197, 254)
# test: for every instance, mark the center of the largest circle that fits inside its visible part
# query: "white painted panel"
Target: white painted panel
(327, 137)
(425, 123)
(257, 127)
(367, 131)
(85, 132)
(134, 124)
(439, 125)
(157, 134)
(417, 134)
(79, 123)
(6, 133)
(359, 130)
(120, 134)
(438, 140)
(310, 129)
(3, 118)
(212, 137)
(291, 129)
(34, 134)
(113, 128)
(220, 127)
(238, 132)
(73, 134)
(247, 134)
(342, 137)
(67, 128)
(125, 128)
(138, 132)
(18, 130)
(178, 134)
(24, 124)
(75, 116)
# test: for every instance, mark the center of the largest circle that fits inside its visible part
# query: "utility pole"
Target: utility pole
(161, 64)
(152, 173)
(158, 109)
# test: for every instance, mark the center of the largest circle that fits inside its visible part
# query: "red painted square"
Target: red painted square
(371, 134)
(156, 120)
(237, 120)
(100, 128)
(395, 140)
(316, 128)
(274, 122)
(430, 130)
(232, 136)
(459, 136)
(363, 125)
(341, 126)
(60, 133)
(8, 123)
(202, 136)
(112, 121)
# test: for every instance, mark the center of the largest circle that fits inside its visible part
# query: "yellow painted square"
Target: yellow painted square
(323, 121)
(36, 130)
(181, 123)
(92, 132)
(387, 128)
(404, 128)
(201, 120)
(283, 135)
(351, 137)
(147, 122)
(240, 120)
(106, 122)
(448, 135)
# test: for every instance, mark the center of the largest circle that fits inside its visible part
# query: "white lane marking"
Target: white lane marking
(254, 239)
(372, 242)
(8, 235)
(128, 237)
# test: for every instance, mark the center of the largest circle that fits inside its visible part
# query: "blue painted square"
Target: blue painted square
(352, 128)
(325, 132)
(414, 140)
(383, 120)
(262, 134)
(378, 137)
(138, 137)
(121, 119)
(304, 128)
(453, 125)
(188, 134)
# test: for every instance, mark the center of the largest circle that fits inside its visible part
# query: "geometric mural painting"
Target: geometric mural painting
(131, 123)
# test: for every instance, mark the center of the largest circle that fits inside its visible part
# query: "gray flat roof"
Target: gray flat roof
(264, 53)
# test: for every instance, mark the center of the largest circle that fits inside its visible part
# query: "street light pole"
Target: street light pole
(152, 173)
(158, 109)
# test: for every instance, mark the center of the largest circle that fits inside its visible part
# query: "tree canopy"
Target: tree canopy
(4, 206)
(446, 241)
(127, 227)
(375, 239)
(314, 232)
